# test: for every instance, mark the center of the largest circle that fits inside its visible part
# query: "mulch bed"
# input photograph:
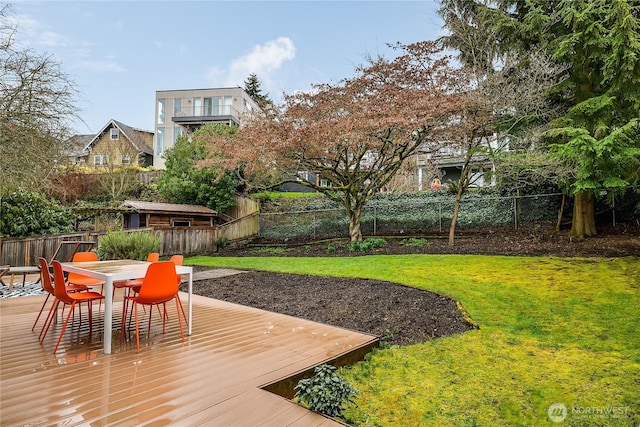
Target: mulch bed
(399, 314)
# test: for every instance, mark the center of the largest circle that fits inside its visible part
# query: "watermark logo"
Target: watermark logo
(557, 412)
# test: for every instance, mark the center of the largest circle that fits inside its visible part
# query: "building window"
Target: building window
(162, 109)
(209, 108)
(218, 106)
(159, 141)
(177, 107)
(126, 159)
(227, 101)
(325, 183)
(180, 223)
(100, 160)
(115, 133)
(197, 106)
(177, 132)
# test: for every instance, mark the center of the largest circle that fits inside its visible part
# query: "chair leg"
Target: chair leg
(41, 310)
(64, 326)
(90, 304)
(49, 320)
(184, 314)
(135, 312)
(150, 316)
(178, 306)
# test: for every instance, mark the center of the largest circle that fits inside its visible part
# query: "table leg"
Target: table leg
(190, 303)
(108, 314)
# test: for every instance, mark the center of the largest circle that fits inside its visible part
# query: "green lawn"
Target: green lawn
(552, 330)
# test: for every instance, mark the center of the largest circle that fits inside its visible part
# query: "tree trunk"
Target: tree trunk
(355, 234)
(454, 217)
(561, 212)
(584, 219)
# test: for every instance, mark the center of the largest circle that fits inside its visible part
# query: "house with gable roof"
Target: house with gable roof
(115, 145)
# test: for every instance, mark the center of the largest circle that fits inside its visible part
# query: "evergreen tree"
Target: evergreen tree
(252, 87)
(599, 41)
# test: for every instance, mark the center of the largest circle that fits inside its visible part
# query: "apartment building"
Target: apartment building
(183, 111)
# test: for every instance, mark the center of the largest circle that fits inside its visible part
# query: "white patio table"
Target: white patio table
(115, 271)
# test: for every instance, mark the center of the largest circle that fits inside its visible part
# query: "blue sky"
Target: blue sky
(119, 53)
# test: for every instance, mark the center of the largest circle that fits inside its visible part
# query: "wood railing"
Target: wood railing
(239, 229)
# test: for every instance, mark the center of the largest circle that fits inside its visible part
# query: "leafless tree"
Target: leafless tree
(499, 105)
(36, 110)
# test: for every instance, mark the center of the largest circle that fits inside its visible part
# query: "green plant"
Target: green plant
(326, 392)
(270, 250)
(414, 241)
(121, 245)
(367, 244)
(331, 249)
(182, 182)
(221, 242)
(26, 214)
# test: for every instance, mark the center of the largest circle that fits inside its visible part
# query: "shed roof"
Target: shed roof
(169, 208)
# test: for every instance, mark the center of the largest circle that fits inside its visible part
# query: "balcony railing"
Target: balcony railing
(193, 114)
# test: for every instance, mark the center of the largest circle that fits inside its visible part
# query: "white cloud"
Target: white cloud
(264, 60)
(101, 66)
(32, 33)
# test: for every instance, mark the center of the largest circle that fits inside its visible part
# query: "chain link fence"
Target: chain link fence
(411, 215)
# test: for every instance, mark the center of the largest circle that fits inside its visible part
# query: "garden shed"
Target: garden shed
(166, 215)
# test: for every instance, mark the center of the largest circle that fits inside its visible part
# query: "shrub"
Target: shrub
(326, 392)
(367, 244)
(135, 245)
(221, 242)
(27, 214)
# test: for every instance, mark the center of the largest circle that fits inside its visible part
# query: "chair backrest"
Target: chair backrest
(159, 284)
(47, 283)
(81, 257)
(85, 256)
(59, 285)
(177, 260)
(153, 257)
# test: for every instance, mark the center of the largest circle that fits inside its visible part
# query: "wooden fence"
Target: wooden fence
(21, 252)
(239, 229)
(244, 206)
(185, 241)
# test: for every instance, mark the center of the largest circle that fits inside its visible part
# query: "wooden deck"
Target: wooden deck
(214, 378)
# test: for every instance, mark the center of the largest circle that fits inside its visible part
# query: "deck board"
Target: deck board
(213, 378)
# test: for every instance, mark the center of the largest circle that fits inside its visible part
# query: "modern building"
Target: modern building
(183, 111)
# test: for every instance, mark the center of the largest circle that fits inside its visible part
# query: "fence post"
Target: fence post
(375, 220)
(440, 215)
(515, 212)
(314, 225)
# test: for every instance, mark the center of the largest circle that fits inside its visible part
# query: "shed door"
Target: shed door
(135, 220)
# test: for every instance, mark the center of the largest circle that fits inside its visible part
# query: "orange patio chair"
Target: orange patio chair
(79, 279)
(134, 283)
(62, 296)
(177, 260)
(159, 286)
(47, 285)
